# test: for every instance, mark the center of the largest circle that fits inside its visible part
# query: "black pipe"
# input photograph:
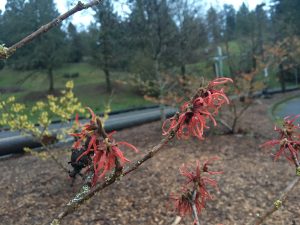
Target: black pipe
(16, 144)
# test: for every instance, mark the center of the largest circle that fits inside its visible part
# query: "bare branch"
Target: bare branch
(55, 159)
(277, 204)
(219, 120)
(177, 220)
(7, 52)
(195, 213)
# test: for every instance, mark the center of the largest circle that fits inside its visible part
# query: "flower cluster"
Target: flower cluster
(288, 140)
(3, 52)
(195, 190)
(104, 151)
(36, 120)
(66, 105)
(193, 116)
(18, 116)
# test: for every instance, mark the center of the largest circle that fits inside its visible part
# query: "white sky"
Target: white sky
(85, 17)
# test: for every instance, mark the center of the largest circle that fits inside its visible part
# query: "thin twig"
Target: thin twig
(47, 148)
(73, 205)
(277, 204)
(243, 110)
(237, 115)
(23, 80)
(100, 128)
(45, 28)
(195, 213)
(295, 159)
(150, 154)
(224, 124)
(55, 159)
(177, 220)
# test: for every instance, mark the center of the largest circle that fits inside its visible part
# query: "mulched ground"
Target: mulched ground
(33, 191)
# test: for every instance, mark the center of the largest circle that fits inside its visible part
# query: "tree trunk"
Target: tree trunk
(184, 80)
(182, 68)
(107, 79)
(281, 77)
(161, 94)
(233, 72)
(254, 63)
(51, 80)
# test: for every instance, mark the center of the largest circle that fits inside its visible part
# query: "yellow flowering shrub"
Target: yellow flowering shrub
(35, 121)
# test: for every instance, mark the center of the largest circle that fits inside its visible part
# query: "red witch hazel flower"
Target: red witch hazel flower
(194, 191)
(193, 116)
(103, 150)
(88, 131)
(107, 155)
(288, 141)
(183, 202)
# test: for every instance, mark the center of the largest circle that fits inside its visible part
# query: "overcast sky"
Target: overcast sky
(85, 17)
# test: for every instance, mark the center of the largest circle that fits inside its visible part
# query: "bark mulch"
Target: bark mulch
(32, 191)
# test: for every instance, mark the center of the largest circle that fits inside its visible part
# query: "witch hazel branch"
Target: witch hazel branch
(100, 155)
(194, 193)
(288, 142)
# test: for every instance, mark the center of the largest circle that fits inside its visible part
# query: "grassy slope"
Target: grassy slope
(89, 86)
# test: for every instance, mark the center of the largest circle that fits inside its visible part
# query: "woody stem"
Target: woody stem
(100, 128)
(296, 161)
(195, 213)
(273, 208)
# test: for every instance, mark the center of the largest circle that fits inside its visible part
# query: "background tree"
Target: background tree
(75, 46)
(105, 40)
(286, 14)
(229, 23)
(48, 49)
(191, 35)
(262, 24)
(1, 26)
(229, 16)
(244, 24)
(19, 19)
(157, 38)
(214, 25)
(153, 33)
(138, 44)
(1, 41)
(246, 37)
(13, 27)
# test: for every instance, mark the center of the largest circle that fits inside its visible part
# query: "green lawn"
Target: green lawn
(89, 86)
(87, 75)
